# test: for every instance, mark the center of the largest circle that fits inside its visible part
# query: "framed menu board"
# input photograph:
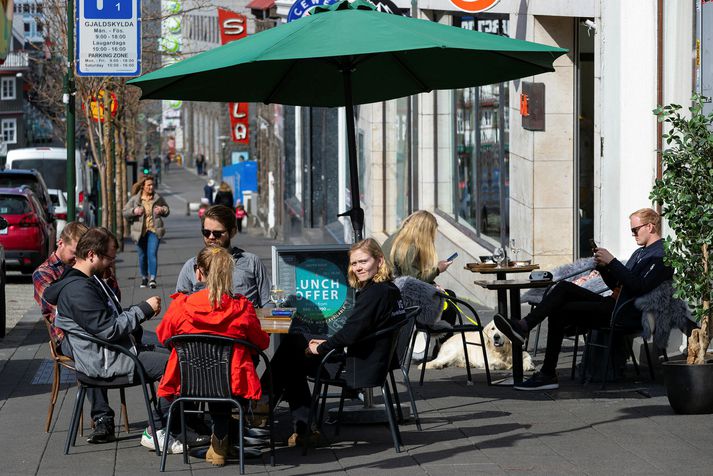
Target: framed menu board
(314, 279)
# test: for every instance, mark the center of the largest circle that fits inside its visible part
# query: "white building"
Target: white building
(466, 156)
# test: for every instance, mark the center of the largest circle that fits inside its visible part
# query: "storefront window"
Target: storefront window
(397, 163)
(481, 148)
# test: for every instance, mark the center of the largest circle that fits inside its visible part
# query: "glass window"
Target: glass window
(7, 88)
(14, 205)
(9, 131)
(398, 178)
(481, 149)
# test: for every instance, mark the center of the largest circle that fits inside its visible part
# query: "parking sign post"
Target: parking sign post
(108, 37)
(68, 99)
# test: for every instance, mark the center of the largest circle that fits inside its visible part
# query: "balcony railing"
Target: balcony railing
(15, 60)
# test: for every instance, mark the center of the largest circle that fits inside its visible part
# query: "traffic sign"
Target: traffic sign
(108, 37)
(96, 105)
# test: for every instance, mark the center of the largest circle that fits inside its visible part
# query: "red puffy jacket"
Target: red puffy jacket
(193, 314)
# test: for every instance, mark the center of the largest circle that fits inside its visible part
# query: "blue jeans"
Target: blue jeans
(147, 248)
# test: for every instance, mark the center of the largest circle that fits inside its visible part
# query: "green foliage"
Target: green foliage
(685, 193)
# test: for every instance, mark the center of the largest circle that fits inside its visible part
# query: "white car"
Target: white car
(60, 208)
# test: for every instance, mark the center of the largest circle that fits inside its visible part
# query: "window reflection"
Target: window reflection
(482, 136)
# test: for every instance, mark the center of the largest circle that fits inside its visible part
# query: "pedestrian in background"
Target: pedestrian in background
(224, 196)
(240, 213)
(157, 169)
(208, 191)
(167, 160)
(200, 164)
(145, 211)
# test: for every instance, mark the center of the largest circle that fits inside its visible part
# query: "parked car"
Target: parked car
(59, 202)
(29, 237)
(3, 308)
(51, 162)
(33, 179)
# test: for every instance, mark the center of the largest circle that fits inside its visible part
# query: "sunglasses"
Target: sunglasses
(215, 233)
(635, 230)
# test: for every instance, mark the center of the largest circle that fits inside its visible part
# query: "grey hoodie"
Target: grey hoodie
(86, 305)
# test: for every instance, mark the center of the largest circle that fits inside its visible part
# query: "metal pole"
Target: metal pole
(69, 93)
(356, 214)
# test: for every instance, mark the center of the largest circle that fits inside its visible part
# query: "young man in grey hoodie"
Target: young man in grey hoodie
(85, 304)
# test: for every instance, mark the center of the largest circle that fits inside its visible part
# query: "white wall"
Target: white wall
(627, 55)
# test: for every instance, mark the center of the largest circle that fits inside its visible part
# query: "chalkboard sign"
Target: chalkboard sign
(314, 279)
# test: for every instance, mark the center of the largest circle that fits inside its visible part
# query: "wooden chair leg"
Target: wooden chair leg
(53, 396)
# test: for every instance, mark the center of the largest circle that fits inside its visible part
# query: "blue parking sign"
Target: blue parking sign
(108, 9)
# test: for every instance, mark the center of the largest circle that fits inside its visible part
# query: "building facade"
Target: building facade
(474, 159)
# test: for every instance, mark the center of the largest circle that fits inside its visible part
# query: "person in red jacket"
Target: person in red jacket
(214, 310)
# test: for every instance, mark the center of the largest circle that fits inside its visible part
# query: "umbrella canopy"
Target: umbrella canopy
(346, 54)
(301, 63)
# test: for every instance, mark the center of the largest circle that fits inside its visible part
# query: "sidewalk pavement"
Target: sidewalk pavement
(467, 429)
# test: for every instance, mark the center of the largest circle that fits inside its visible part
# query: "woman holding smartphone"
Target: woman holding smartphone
(412, 249)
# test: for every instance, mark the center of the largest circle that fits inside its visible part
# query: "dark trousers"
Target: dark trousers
(219, 413)
(153, 362)
(290, 368)
(568, 305)
(239, 223)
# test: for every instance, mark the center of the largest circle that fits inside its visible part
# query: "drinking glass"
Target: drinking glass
(514, 250)
(499, 256)
(277, 296)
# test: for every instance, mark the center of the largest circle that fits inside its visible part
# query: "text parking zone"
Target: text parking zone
(108, 37)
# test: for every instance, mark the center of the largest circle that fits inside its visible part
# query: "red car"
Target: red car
(29, 237)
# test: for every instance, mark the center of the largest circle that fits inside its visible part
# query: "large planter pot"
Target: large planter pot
(689, 387)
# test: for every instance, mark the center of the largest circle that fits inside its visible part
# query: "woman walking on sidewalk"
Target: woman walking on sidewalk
(145, 211)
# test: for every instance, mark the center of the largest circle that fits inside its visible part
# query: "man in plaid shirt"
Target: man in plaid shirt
(53, 267)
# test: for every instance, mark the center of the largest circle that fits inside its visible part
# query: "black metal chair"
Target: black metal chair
(382, 380)
(461, 327)
(85, 382)
(205, 362)
(617, 327)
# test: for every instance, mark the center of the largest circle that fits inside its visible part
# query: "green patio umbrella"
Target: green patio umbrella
(346, 54)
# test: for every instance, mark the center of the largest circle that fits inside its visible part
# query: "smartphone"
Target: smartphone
(593, 244)
(452, 257)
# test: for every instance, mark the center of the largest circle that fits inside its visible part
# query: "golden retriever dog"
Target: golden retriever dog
(497, 345)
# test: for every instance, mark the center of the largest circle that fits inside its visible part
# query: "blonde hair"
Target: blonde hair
(648, 215)
(224, 187)
(216, 263)
(370, 246)
(418, 232)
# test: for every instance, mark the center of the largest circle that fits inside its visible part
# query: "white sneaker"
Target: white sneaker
(175, 447)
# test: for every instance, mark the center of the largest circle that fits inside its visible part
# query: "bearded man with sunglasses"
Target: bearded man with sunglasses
(570, 305)
(250, 276)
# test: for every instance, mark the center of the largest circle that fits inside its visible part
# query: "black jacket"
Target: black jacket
(224, 198)
(644, 271)
(376, 306)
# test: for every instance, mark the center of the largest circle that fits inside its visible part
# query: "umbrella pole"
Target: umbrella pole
(356, 213)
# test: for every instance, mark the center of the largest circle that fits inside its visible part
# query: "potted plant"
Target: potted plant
(685, 192)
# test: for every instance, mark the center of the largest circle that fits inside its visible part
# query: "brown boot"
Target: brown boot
(218, 451)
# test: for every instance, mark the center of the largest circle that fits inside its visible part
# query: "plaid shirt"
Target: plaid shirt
(46, 274)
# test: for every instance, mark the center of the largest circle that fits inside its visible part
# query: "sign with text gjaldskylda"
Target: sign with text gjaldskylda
(108, 37)
(314, 279)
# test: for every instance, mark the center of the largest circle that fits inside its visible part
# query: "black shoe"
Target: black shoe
(539, 381)
(144, 282)
(512, 329)
(103, 431)
(152, 284)
(194, 439)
